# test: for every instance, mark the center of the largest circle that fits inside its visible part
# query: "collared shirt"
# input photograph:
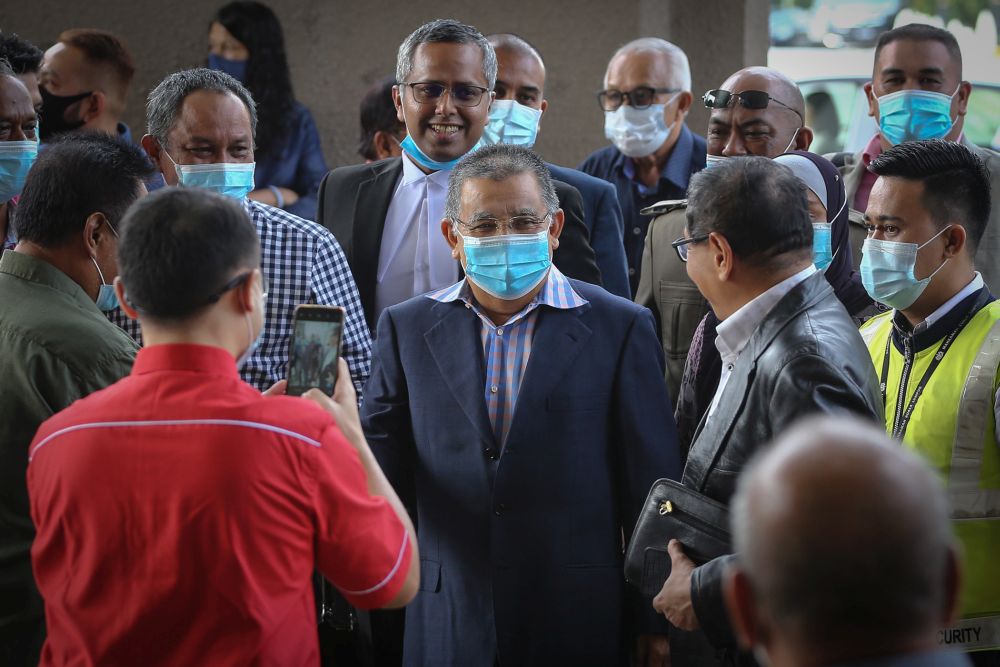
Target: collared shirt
(735, 331)
(610, 164)
(974, 285)
(180, 515)
(414, 257)
(55, 347)
(303, 263)
(507, 347)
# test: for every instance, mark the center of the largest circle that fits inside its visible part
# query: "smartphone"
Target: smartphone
(314, 349)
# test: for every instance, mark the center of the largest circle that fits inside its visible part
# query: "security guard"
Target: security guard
(937, 353)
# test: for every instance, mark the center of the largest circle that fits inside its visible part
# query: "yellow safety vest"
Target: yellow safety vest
(953, 427)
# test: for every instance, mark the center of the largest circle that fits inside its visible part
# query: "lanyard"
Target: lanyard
(902, 418)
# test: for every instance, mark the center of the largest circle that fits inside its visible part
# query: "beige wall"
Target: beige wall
(336, 48)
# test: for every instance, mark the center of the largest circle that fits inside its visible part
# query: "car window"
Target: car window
(831, 109)
(982, 123)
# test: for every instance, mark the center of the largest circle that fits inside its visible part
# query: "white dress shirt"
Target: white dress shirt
(734, 332)
(414, 257)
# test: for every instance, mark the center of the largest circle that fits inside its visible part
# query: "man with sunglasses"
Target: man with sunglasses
(646, 97)
(385, 214)
(522, 414)
(788, 348)
(757, 111)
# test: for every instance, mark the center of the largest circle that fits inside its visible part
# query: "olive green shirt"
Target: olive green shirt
(55, 347)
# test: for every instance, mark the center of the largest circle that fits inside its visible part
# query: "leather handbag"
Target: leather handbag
(673, 511)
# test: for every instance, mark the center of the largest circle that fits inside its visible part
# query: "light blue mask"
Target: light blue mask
(106, 297)
(887, 271)
(822, 245)
(16, 158)
(912, 115)
(231, 179)
(512, 123)
(714, 160)
(418, 155)
(508, 266)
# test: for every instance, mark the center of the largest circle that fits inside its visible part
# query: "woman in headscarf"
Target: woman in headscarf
(831, 254)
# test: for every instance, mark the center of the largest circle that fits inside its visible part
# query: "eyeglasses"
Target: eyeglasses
(638, 98)
(519, 224)
(681, 245)
(236, 282)
(462, 94)
(749, 99)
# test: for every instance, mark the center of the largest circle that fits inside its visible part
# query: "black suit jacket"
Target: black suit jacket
(353, 203)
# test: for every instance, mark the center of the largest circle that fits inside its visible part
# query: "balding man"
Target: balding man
(646, 96)
(84, 82)
(757, 111)
(515, 117)
(815, 585)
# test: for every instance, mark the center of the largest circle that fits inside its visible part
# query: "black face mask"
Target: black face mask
(52, 119)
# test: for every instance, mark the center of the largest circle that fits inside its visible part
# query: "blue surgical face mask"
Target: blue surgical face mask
(512, 123)
(508, 266)
(411, 148)
(234, 68)
(887, 271)
(912, 115)
(106, 297)
(231, 179)
(714, 160)
(822, 245)
(16, 158)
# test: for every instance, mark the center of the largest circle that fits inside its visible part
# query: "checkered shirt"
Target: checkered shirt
(506, 348)
(303, 263)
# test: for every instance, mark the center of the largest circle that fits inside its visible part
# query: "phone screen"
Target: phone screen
(315, 348)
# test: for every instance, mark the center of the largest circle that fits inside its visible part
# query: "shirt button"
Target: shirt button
(637, 230)
(493, 389)
(499, 332)
(631, 271)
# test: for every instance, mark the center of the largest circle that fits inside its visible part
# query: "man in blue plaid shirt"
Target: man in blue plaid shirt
(201, 126)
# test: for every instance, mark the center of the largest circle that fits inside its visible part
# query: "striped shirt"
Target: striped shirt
(506, 348)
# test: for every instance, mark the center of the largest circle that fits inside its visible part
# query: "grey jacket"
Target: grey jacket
(806, 357)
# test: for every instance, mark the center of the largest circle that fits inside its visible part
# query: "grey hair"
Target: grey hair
(680, 69)
(164, 102)
(887, 536)
(449, 31)
(5, 68)
(499, 162)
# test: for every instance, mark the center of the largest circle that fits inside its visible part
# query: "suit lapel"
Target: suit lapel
(456, 346)
(559, 337)
(371, 205)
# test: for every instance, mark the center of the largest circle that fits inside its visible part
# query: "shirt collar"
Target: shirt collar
(39, 271)
(557, 292)
(414, 174)
(193, 358)
(735, 331)
(974, 286)
(677, 168)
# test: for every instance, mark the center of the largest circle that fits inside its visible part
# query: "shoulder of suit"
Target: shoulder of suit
(360, 172)
(602, 299)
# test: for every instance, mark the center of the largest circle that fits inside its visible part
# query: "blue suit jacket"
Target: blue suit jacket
(521, 549)
(603, 216)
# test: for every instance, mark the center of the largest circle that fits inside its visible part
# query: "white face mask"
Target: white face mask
(637, 132)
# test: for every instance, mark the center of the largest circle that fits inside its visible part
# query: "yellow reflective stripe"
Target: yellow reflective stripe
(975, 412)
(871, 328)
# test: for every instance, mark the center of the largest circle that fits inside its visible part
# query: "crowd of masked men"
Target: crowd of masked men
(806, 345)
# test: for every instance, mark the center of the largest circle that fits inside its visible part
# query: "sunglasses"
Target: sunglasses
(748, 99)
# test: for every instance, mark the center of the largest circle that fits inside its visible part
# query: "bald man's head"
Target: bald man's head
(844, 539)
(736, 131)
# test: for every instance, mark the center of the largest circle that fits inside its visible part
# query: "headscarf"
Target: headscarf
(823, 178)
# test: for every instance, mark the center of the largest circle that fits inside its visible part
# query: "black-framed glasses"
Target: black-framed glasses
(681, 245)
(462, 94)
(236, 282)
(640, 97)
(518, 224)
(749, 99)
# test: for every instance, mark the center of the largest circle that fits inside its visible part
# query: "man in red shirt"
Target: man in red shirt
(180, 513)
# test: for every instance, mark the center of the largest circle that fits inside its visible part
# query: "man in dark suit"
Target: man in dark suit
(788, 349)
(385, 214)
(523, 415)
(514, 119)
